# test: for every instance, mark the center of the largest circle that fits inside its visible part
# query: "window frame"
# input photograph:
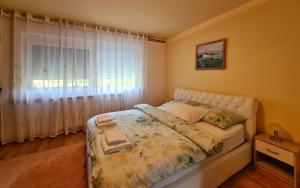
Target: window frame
(29, 39)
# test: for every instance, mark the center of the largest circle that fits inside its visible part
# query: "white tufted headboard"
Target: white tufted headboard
(245, 106)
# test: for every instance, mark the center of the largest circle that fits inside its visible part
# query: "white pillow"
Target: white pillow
(191, 114)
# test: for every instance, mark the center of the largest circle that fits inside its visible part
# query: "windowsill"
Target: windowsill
(78, 97)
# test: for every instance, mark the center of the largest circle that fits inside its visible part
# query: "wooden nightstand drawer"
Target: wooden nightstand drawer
(281, 159)
(276, 152)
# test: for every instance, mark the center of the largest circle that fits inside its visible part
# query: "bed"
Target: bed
(203, 170)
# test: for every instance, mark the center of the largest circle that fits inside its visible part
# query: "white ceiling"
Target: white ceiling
(160, 18)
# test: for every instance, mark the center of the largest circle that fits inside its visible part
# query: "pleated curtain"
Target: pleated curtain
(56, 74)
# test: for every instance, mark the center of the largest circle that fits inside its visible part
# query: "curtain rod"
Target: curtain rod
(23, 14)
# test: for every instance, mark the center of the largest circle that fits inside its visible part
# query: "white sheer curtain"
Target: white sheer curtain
(63, 73)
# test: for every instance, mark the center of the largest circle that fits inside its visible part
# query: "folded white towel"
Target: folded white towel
(109, 124)
(115, 148)
(114, 136)
(104, 118)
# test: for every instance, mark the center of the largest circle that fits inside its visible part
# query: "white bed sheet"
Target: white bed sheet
(231, 138)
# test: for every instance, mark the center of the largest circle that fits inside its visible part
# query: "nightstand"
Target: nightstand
(280, 159)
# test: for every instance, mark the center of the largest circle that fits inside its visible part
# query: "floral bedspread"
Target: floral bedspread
(162, 145)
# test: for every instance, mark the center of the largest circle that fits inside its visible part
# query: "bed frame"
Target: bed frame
(214, 172)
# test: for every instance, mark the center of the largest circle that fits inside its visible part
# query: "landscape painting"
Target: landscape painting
(212, 55)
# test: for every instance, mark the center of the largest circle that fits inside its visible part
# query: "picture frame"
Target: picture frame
(211, 55)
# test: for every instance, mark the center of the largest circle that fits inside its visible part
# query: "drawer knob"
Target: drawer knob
(275, 153)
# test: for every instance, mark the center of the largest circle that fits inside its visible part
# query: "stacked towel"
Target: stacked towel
(114, 148)
(113, 139)
(114, 136)
(104, 120)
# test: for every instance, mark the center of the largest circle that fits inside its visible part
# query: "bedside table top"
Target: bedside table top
(284, 144)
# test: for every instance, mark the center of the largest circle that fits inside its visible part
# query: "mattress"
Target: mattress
(231, 138)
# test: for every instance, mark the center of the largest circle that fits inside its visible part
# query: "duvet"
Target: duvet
(162, 145)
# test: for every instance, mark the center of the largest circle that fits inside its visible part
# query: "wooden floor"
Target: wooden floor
(254, 178)
(246, 178)
(16, 149)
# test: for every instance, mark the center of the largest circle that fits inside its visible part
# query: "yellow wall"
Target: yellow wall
(263, 60)
(156, 70)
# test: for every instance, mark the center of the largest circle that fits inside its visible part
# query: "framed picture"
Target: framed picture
(211, 55)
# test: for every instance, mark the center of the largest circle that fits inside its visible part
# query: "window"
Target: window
(49, 64)
(97, 67)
